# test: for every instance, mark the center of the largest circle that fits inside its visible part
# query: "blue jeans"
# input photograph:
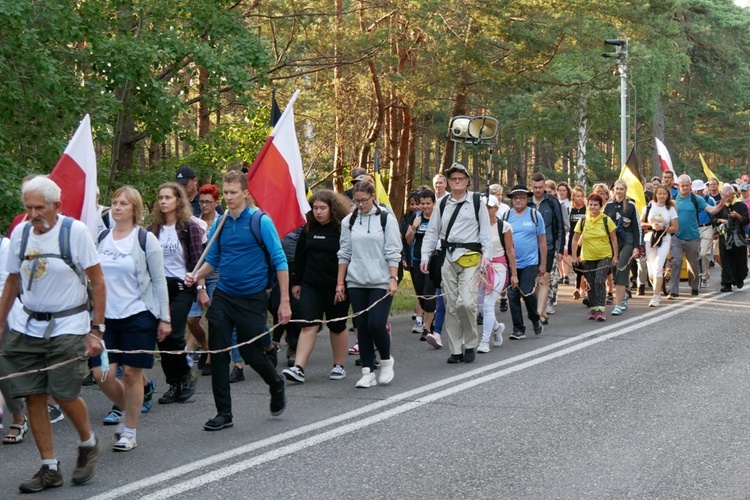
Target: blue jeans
(439, 312)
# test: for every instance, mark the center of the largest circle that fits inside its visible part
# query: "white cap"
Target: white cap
(492, 201)
(698, 185)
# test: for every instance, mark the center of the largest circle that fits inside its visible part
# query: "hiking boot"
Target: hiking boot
(87, 457)
(187, 387)
(43, 479)
(171, 395)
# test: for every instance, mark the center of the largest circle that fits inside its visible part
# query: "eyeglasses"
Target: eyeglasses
(206, 202)
(458, 179)
(362, 202)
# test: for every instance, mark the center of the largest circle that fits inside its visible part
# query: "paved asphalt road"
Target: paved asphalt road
(648, 405)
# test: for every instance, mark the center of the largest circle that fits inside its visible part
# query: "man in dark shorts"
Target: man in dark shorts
(52, 325)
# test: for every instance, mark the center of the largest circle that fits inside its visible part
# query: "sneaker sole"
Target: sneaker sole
(119, 450)
(431, 341)
(292, 377)
(517, 337)
(225, 426)
(24, 489)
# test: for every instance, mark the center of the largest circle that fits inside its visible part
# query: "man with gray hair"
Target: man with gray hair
(50, 258)
(687, 239)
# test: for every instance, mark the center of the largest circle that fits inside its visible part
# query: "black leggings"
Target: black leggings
(371, 325)
(423, 286)
(596, 276)
(176, 366)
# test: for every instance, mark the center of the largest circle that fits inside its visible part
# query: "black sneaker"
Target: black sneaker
(171, 395)
(503, 305)
(455, 358)
(517, 335)
(202, 360)
(43, 479)
(148, 396)
(469, 355)
(187, 387)
(538, 327)
(218, 423)
(376, 363)
(694, 293)
(673, 296)
(480, 319)
(641, 290)
(237, 374)
(294, 374)
(88, 381)
(206, 370)
(586, 302)
(87, 458)
(610, 299)
(423, 337)
(278, 398)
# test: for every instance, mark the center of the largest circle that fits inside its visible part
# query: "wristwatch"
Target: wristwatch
(200, 287)
(100, 328)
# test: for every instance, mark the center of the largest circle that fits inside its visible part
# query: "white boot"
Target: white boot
(368, 379)
(386, 371)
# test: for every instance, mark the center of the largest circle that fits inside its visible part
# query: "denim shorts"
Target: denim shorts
(197, 311)
(136, 332)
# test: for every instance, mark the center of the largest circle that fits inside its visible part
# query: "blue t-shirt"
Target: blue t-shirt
(704, 217)
(687, 218)
(526, 237)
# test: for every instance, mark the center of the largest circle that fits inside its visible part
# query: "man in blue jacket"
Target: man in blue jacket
(240, 299)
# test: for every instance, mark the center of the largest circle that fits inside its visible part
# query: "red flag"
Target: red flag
(75, 173)
(664, 159)
(276, 179)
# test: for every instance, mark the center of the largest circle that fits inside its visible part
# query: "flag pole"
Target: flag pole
(211, 242)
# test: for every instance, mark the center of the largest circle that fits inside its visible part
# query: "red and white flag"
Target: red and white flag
(75, 173)
(276, 179)
(664, 159)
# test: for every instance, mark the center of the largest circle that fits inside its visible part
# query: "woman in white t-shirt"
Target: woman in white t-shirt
(180, 238)
(493, 282)
(137, 313)
(659, 223)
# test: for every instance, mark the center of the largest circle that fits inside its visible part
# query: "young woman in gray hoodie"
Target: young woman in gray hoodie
(369, 253)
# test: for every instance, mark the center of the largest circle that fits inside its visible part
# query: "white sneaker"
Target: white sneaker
(368, 379)
(386, 371)
(125, 443)
(434, 340)
(654, 302)
(337, 373)
(484, 346)
(417, 326)
(550, 309)
(497, 334)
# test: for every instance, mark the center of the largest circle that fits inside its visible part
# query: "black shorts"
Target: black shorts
(315, 301)
(134, 333)
(550, 260)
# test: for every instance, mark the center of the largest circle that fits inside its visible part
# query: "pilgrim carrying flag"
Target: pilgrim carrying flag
(75, 173)
(276, 179)
(664, 159)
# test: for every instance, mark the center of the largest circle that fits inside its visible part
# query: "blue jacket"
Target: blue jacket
(238, 257)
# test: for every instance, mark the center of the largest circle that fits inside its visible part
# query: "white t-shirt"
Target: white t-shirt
(497, 245)
(204, 228)
(174, 255)
(123, 290)
(660, 215)
(56, 287)
(502, 209)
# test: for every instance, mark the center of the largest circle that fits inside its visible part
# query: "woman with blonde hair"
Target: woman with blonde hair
(659, 223)
(137, 313)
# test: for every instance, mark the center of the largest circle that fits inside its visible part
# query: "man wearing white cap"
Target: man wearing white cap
(706, 230)
(462, 225)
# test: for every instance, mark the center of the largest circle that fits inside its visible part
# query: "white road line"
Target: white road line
(621, 328)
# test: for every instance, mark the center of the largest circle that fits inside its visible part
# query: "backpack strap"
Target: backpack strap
(383, 219)
(694, 199)
(255, 219)
(477, 202)
(64, 244)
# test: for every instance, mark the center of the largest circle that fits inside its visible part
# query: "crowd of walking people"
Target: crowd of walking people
(469, 254)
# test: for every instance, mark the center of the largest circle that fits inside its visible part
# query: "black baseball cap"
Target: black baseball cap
(184, 175)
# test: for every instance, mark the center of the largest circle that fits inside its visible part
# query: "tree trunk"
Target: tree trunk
(398, 167)
(583, 132)
(338, 159)
(204, 113)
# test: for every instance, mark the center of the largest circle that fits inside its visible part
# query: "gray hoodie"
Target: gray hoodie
(367, 251)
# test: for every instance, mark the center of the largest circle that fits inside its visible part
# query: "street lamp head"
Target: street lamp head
(615, 41)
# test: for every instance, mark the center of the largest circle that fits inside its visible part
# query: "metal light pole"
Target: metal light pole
(621, 53)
